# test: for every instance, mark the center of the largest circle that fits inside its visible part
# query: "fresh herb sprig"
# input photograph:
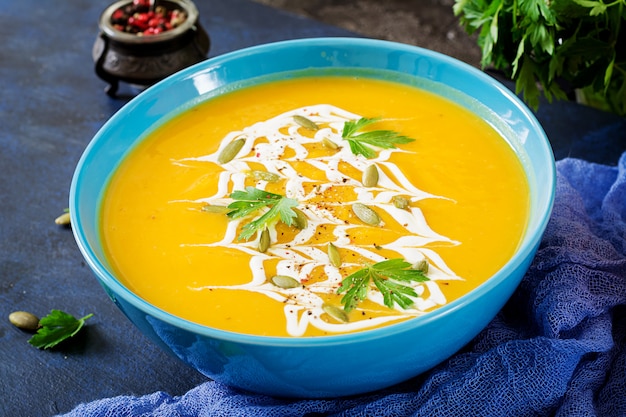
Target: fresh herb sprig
(252, 200)
(390, 277)
(359, 141)
(543, 45)
(55, 328)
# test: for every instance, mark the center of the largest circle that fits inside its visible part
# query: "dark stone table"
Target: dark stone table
(51, 104)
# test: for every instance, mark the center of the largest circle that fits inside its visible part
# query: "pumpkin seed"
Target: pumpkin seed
(335, 312)
(230, 151)
(370, 176)
(264, 240)
(422, 266)
(333, 255)
(24, 320)
(305, 122)
(300, 221)
(263, 176)
(400, 202)
(366, 214)
(63, 219)
(209, 208)
(285, 281)
(327, 143)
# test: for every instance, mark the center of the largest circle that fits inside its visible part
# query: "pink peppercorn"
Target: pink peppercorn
(137, 18)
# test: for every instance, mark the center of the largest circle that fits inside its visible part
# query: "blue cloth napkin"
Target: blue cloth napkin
(557, 348)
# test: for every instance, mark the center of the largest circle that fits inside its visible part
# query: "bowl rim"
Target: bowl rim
(528, 245)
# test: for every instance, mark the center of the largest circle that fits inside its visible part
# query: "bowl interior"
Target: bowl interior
(428, 70)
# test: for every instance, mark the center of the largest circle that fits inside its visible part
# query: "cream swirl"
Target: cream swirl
(278, 145)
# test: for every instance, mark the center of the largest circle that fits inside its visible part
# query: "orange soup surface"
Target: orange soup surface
(314, 206)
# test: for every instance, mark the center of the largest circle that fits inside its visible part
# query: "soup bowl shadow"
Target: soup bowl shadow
(329, 366)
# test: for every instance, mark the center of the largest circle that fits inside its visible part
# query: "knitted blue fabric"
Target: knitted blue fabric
(557, 347)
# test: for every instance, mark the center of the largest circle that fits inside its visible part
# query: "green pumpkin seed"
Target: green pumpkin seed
(63, 219)
(333, 255)
(286, 282)
(300, 221)
(305, 122)
(209, 208)
(336, 312)
(230, 151)
(327, 143)
(264, 241)
(422, 266)
(263, 176)
(400, 202)
(370, 176)
(366, 214)
(24, 320)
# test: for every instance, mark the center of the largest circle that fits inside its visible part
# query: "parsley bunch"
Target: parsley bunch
(580, 43)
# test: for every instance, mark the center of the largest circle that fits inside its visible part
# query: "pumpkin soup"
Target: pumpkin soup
(314, 206)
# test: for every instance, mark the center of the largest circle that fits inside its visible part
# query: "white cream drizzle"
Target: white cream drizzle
(303, 306)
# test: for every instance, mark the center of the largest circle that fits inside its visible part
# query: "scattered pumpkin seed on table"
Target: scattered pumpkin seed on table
(24, 320)
(63, 219)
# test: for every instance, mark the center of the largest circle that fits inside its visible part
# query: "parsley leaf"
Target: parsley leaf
(251, 200)
(390, 277)
(55, 328)
(359, 141)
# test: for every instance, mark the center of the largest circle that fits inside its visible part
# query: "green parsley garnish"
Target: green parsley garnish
(543, 45)
(251, 200)
(55, 328)
(390, 277)
(359, 141)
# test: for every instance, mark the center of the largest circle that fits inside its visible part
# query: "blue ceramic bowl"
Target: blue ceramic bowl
(321, 366)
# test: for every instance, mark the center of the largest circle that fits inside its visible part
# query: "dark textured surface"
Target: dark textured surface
(51, 104)
(427, 23)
